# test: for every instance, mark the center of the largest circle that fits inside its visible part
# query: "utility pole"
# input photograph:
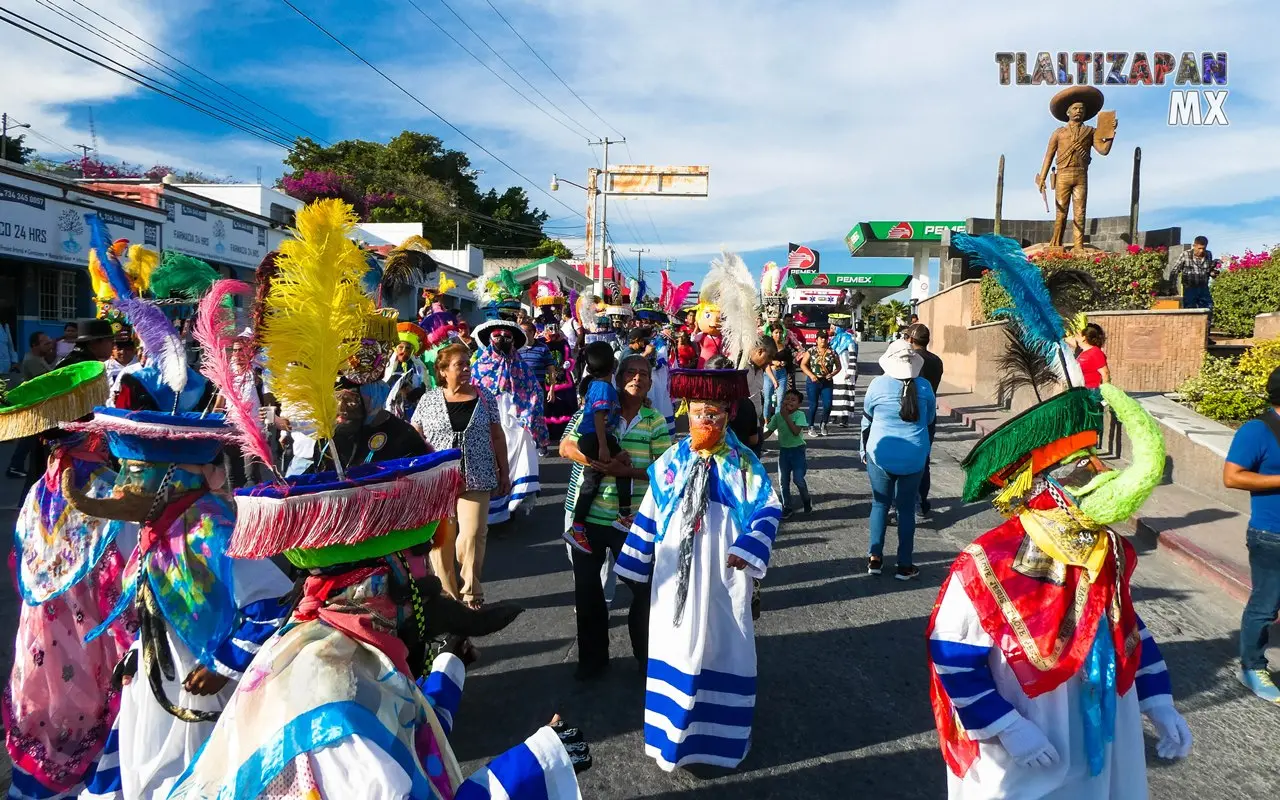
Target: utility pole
(604, 213)
(4, 135)
(84, 159)
(639, 251)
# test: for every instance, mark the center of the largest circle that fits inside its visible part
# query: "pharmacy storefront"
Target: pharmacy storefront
(44, 251)
(233, 241)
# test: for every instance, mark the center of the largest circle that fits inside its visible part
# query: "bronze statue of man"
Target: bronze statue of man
(1072, 145)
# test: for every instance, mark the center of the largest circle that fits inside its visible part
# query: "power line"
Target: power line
(197, 71)
(553, 72)
(484, 64)
(248, 117)
(519, 75)
(133, 75)
(430, 110)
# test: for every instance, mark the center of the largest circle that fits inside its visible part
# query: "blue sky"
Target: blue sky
(812, 115)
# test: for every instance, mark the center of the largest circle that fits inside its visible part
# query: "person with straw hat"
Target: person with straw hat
(897, 410)
(60, 702)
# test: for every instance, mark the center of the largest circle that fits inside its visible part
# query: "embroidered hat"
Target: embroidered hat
(412, 334)
(320, 520)
(53, 399)
(484, 331)
(159, 438)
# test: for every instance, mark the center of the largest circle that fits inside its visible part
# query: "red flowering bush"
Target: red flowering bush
(1125, 281)
(1248, 285)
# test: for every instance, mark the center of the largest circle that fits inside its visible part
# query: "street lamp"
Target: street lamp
(4, 134)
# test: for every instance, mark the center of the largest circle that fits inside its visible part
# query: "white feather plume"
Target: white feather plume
(730, 286)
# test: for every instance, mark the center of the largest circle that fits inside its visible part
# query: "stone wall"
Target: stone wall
(1154, 351)
(1148, 351)
(1105, 233)
(1266, 326)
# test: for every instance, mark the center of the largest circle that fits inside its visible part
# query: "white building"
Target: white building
(255, 198)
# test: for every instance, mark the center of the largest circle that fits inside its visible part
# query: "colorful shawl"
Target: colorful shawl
(184, 560)
(738, 478)
(510, 376)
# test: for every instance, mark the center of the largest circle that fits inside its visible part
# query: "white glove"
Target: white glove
(1028, 745)
(1174, 736)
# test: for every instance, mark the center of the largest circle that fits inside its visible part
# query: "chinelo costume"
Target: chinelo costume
(440, 324)
(844, 394)
(407, 379)
(651, 314)
(1040, 667)
(519, 395)
(704, 531)
(330, 707)
(499, 296)
(60, 701)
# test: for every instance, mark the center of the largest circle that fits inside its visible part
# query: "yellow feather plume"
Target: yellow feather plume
(445, 283)
(318, 311)
(142, 262)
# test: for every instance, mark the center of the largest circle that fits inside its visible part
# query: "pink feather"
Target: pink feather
(679, 295)
(215, 330)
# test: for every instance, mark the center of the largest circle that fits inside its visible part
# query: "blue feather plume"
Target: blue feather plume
(100, 242)
(1039, 323)
(640, 292)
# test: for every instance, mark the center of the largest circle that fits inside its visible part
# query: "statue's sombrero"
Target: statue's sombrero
(1091, 96)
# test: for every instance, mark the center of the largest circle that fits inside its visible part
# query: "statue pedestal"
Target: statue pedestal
(1044, 250)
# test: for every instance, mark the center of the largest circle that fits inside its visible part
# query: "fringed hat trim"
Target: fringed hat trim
(1068, 414)
(156, 437)
(378, 547)
(720, 385)
(53, 399)
(318, 511)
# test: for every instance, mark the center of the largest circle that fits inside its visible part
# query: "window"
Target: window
(283, 215)
(57, 295)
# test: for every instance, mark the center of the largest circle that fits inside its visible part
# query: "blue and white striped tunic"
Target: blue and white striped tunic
(701, 689)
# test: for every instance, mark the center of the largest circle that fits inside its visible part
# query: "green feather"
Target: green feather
(1067, 414)
(181, 276)
(510, 283)
(1120, 498)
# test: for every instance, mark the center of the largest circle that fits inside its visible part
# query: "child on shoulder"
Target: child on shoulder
(601, 412)
(789, 423)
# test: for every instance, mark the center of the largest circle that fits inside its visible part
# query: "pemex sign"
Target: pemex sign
(899, 231)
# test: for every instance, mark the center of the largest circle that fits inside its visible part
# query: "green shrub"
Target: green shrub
(1125, 281)
(1249, 286)
(1222, 392)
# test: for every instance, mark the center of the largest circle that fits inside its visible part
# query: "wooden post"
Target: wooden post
(1133, 197)
(999, 193)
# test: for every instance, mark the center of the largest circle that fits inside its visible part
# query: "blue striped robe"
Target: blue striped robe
(701, 687)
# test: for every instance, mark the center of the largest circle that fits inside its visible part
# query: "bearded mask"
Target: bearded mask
(707, 424)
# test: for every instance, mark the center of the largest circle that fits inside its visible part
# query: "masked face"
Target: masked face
(1077, 472)
(503, 342)
(707, 423)
(709, 320)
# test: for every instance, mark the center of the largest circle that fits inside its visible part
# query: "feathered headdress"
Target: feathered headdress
(672, 297)
(106, 273)
(771, 279)
(408, 265)
(141, 264)
(730, 287)
(1041, 325)
(231, 372)
(316, 311)
(160, 340)
(181, 277)
(545, 293)
(587, 315)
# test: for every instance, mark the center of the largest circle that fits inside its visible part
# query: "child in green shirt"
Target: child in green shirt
(789, 423)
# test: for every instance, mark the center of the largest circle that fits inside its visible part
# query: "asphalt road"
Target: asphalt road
(843, 708)
(843, 704)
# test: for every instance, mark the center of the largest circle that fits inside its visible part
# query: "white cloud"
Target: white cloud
(812, 115)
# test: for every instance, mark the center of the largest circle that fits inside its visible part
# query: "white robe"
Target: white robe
(1056, 713)
(701, 685)
(522, 461)
(155, 747)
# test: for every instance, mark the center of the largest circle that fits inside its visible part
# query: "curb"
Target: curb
(1229, 576)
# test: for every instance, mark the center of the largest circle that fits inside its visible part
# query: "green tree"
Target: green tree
(15, 150)
(415, 178)
(551, 247)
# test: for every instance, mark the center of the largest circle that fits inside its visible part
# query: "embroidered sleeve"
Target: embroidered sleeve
(1152, 681)
(959, 651)
(755, 545)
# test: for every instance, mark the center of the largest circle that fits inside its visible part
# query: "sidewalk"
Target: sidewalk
(1199, 531)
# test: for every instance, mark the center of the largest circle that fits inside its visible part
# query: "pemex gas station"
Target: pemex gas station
(918, 240)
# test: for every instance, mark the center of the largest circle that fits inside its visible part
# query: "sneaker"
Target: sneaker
(808, 508)
(577, 538)
(624, 523)
(812, 433)
(16, 474)
(893, 517)
(823, 429)
(542, 452)
(787, 513)
(907, 573)
(922, 514)
(875, 565)
(1259, 682)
